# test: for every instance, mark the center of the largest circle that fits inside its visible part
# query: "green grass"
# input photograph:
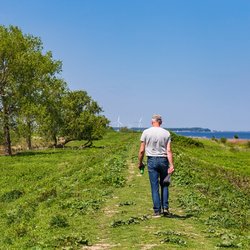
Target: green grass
(70, 198)
(228, 156)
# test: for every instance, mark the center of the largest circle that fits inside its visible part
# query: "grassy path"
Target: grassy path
(96, 198)
(126, 223)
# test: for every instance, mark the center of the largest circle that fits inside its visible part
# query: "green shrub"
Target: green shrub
(223, 139)
(11, 196)
(72, 240)
(59, 221)
(236, 136)
(21, 230)
(114, 174)
(186, 141)
(126, 130)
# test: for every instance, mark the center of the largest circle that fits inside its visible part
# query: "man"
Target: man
(156, 143)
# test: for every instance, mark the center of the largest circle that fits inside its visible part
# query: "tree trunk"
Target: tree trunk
(28, 141)
(28, 138)
(6, 128)
(55, 140)
(7, 141)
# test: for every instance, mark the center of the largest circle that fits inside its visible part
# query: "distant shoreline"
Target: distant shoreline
(232, 135)
(203, 133)
(192, 129)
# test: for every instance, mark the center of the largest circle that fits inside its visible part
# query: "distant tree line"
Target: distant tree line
(193, 129)
(34, 100)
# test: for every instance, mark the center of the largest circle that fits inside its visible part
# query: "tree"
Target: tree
(236, 136)
(50, 119)
(23, 73)
(81, 118)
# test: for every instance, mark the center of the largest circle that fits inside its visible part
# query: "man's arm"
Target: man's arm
(170, 158)
(141, 154)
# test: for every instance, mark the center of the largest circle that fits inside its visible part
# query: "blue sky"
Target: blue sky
(188, 60)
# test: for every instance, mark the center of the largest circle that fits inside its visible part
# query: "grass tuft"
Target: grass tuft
(58, 221)
(11, 195)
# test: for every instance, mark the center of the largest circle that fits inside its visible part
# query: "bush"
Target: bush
(223, 140)
(71, 241)
(126, 130)
(11, 196)
(186, 141)
(214, 139)
(236, 136)
(59, 221)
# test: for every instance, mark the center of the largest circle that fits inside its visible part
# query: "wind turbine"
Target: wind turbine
(140, 123)
(118, 122)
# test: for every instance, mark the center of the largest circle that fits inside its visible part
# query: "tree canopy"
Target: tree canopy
(81, 117)
(33, 99)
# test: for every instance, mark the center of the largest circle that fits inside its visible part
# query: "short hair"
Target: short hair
(157, 118)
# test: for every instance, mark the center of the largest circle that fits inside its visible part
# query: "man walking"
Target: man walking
(156, 143)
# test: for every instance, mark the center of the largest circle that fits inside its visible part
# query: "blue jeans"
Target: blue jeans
(158, 170)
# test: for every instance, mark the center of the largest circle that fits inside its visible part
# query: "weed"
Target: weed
(228, 244)
(114, 175)
(174, 240)
(11, 196)
(191, 203)
(21, 230)
(82, 207)
(14, 216)
(127, 203)
(8, 241)
(74, 241)
(51, 193)
(168, 232)
(131, 220)
(223, 140)
(58, 221)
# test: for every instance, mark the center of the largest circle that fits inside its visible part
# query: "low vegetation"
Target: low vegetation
(75, 198)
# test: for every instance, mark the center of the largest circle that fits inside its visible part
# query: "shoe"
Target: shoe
(166, 212)
(156, 215)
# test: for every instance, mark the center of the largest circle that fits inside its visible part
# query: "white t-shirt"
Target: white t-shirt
(156, 140)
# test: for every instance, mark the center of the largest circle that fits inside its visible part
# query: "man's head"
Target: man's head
(156, 120)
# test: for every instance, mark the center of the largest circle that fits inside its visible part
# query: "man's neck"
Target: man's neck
(156, 125)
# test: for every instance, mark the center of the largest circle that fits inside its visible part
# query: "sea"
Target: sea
(210, 134)
(216, 134)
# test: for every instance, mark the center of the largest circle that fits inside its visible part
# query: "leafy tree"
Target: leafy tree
(40, 83)
(236, 136)
(23, 73)
(81, 118)
(50, 119)
(34, 100)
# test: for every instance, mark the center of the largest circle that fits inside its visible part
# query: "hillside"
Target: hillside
(96, 199)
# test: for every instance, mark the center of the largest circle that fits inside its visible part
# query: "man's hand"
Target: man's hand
(171, 169)
(141, 165)
(141, 155)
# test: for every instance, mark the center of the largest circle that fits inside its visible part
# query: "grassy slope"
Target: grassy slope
(58, 198)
